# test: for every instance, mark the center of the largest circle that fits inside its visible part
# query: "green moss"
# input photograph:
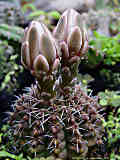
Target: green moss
(9, 70)
(111, 101)
(104, 49)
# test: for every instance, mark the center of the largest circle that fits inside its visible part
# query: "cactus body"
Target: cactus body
(56, 116)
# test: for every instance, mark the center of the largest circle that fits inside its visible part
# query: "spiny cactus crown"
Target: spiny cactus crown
(56, 114)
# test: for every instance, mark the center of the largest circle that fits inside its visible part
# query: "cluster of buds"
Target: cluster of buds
(40, 54)
(39, 49)
(43, 52)
(71, 35)
(65, 119)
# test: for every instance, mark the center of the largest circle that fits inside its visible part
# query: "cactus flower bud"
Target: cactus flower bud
(25, 57)
(70, 31)
(74, 40)
(39, 49)
(40, 63)
(47, 48)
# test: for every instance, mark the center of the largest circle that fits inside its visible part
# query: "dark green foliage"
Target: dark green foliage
(37, 13)
(13, 33)
(111, 78)
(111, 101)
(114, 26)
(109, 98)
(9, 70)
(48, 18)
(105, 49)
(10, 39)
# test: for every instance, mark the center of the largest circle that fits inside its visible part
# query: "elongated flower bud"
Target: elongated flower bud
(84, 46)
(47, 48)
(56, 64)
(33, 44)
(39, 49)
(59, 31)
(65, 51)
(70, 30)
(75, 40)
(41, 63)
(25, 57)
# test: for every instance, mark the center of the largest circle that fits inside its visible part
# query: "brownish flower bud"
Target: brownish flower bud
(71, 34)
(39, 49)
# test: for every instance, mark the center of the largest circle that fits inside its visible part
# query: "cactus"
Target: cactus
(55, 116)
